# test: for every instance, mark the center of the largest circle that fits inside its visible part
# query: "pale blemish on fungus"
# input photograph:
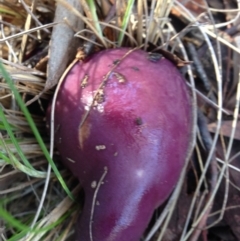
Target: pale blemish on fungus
(94, 184)
(100, 147)
(71, 160)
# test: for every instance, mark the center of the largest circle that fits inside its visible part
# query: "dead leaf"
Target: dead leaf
(226, 129)
(196, 7)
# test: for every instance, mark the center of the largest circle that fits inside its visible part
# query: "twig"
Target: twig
(198, 66)
(188, 15)
(94, 201)
(227, 156)
(207, 142)
(33, 16)
(27, 26)
(49, 25)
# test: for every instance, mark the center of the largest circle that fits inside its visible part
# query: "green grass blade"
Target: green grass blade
(4, 158)
(91, 4)
(29, 171)
(2, 127)
(13, 139)
(34, 129)
(125, 21)
(24, 229)
(12, 221)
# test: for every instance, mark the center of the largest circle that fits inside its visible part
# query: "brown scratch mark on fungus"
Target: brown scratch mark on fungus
(83, 133)
(84, 81)
(100, 98)
(119, 77)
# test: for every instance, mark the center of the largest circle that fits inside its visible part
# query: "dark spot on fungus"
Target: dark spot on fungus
(154, 57)
(135, 68)
(84, 81)
(116, 61)
(138, 121)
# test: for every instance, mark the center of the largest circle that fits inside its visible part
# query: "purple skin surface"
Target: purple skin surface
(140, 129)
